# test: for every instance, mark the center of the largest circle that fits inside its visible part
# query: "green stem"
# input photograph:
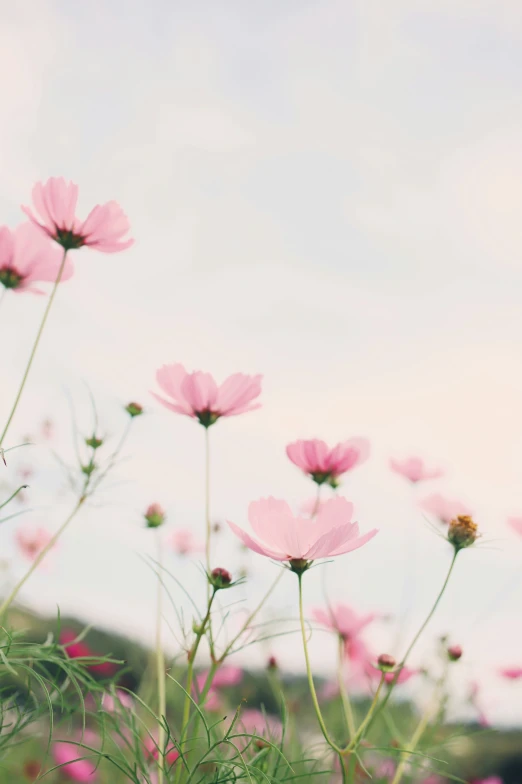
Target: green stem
(250, 618)
(35, 347)
(345, 699)
(311, 685)
(160, 671)
(368, 718)
(415, 639)
(37, 561)
(417, 735)
(190, 672)
(207, 500)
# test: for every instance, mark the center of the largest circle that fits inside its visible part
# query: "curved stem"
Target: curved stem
(41, 555)
(311, 685)
(368, 718)
(345, 699)
(415, 639)
(35, 347)
(160, 671)
(412, 745)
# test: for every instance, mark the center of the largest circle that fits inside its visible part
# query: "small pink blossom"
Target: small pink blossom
(197, 395)
(289, 538)
(511, 673)
(414, 469)
(184, 543)
(67, 756)
(55, 203)
(323, 464)
(445, 509)
(27, 257)
(31, 541)
(516, 524)
(152, 751)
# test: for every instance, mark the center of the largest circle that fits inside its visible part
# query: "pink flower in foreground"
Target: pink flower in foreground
(327, 465)
(31, 541)
(516, 524)
(67, 755)
(445, 509)
(511, 673)
(298, 539)
(55, 203)
(198, 396)
(27, 257)
(184, 543)
(414, 469)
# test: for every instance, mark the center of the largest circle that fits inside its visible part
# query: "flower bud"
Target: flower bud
(385, 662)
(463, 532)
(94, 442)
(155, 516)
(89, 468)
(134, 409)
(220, 578)
(272, 664)
(454, 652)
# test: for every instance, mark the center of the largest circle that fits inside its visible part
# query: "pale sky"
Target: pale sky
(328, 193)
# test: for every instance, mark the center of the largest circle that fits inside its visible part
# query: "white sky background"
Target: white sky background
(328, 193)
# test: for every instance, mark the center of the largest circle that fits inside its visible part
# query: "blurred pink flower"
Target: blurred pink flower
(489, 780)
(290, 538)
(152, 751)
(65, 755)
(113, 703)
(47, 427)
(225, 676)
(414, 469)
(473, 698)
(184, 543)
(511, 673)
(27, 257)
(31, 541)
(322, 464)
(445, 509)
(311, 506)
(343, 620)
(197, 395)
(404, 676)
(55, 203)
(255, 722)
(78, 649)
(516, 524)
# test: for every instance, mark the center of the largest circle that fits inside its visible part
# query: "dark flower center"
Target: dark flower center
(207, 418)
(68, 239)
(10, 278)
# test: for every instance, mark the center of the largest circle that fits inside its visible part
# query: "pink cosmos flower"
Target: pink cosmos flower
(198, 396)
(327, 465)
(357, 665)
(31, 541)
(225, 676)
(404, 676)
(511, 673)
(516, 524)
(80, 650)
(55, 203)
(414, 469)
(67, 755)
(113, 703)
(184, 542)
(254, 722)
(290, 538)
(152, 750)
(343, 620)
(27, 257)
(444, 508)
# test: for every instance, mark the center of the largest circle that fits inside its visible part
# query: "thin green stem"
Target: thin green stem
(310, 677)
(366, 721)
(35, 347)
(207, 500)
(160, 670)
(13, 495)
(415, 639)
(250, 618)
(412, 745)
(41, 555)
(345, 699)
